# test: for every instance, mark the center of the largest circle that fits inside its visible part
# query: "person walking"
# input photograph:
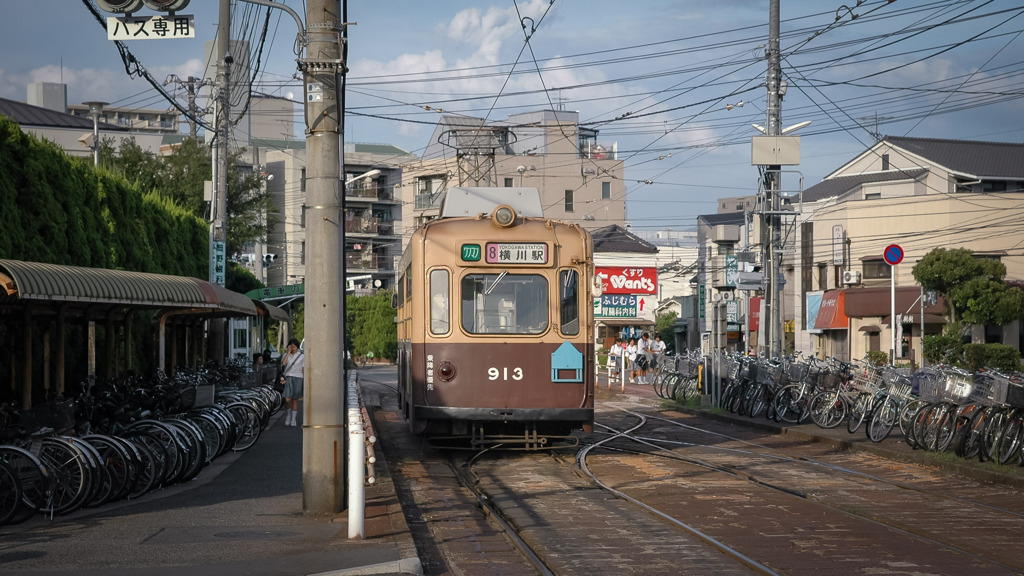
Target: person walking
(292, 366)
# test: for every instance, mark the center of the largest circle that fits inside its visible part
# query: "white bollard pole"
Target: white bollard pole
(356, 464)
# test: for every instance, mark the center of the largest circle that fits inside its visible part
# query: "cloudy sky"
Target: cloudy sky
(661, 79)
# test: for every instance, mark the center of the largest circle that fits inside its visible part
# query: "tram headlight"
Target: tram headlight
(504, 216)
(446, 371)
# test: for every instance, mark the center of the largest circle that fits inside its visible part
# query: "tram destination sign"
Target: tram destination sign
(516, 253)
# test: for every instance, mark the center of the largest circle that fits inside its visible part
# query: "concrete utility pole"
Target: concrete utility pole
(219, 208)
(771, 233)
(323, 425)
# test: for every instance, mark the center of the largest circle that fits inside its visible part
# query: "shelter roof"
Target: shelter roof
(36, 281)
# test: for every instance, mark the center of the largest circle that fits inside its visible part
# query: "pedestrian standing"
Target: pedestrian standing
(643, 356)
(614, 358)
(657, 350)
(292, 366)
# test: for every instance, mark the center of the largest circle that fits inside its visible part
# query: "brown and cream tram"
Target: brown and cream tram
(495, 323)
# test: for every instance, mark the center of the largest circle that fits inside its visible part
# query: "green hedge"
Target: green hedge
(62, 210)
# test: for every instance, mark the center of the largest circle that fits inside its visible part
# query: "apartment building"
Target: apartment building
(372, 214)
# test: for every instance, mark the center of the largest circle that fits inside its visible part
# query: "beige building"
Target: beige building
(919, 194)
(580, 178)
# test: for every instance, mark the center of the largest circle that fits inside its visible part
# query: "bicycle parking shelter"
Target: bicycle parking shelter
(44, 302)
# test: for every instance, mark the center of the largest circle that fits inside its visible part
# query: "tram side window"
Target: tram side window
(439, 312)
(569, 302)
(504, 303)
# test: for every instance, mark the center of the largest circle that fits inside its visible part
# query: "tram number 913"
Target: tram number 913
(503, 373)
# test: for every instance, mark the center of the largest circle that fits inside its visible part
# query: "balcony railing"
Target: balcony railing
(362, 261)
(362, 226)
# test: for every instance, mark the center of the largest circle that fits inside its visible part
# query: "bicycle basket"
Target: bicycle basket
(830, 380)
(989, 388)
(930, 385)
(866, 380)
(958, 387)
(901, 390)
(1015, 394)
(797, 372)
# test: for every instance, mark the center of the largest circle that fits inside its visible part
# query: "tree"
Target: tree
(180, 177)
(956, 270)
(976, 293)
(664, 326)
(250, 210)
(370, 325)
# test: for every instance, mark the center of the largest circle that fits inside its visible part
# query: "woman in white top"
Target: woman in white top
(631, 350)
(292, 366)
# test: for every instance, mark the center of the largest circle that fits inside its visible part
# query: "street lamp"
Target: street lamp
(95, 109)
(369, 174)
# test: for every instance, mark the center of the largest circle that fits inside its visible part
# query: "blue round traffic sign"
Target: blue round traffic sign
(893, 254)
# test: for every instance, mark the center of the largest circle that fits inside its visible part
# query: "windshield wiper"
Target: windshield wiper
(490, 288)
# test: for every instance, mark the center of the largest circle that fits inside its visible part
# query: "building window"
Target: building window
(302, 180)
(606, 190)
(876, 269)
(873, 196)
(302, 255)
(509, 182)
(885, 161)
(568, 201)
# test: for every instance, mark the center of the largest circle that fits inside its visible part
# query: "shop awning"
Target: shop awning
(624, 322)
(870, 328)
(832, 313)
(877, 301)
(916, 319)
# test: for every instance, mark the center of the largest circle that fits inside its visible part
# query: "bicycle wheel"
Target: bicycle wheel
(69, 475)
(971, 440)
(149, 473)
(33, 477)
(248, 425)
(10, 493)
(1009, 444)
(908, 415)
(827, 409)
(882, 420)
(954, 421)
(857, 412)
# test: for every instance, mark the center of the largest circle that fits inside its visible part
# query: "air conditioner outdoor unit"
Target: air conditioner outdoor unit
(851, 277)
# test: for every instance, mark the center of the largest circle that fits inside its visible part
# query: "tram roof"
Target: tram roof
(473, 200)
(40, 282)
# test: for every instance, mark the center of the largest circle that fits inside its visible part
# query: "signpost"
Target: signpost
(151, 27)
(893, 255)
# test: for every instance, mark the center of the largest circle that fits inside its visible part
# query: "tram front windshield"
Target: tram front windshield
(503, 303)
